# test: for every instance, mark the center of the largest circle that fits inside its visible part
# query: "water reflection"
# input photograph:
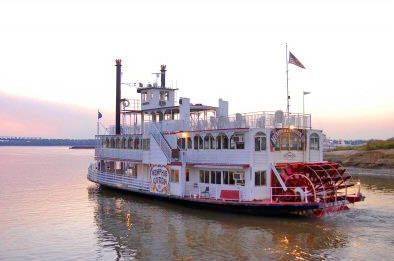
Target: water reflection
(135, 227)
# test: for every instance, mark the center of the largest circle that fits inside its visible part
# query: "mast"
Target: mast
(118, 95)
(287, 81)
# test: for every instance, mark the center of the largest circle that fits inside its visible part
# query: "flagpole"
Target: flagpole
(98, 123)
(287, 80)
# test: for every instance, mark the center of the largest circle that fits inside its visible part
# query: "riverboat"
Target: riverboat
(265, 163)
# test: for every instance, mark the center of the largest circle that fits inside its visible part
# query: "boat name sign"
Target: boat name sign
(159, 176)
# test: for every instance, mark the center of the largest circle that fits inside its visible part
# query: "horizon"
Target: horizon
(57, 75)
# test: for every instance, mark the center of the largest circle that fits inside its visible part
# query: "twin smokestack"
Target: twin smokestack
(119, 91)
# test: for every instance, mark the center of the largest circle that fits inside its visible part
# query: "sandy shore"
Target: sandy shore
(373, 159)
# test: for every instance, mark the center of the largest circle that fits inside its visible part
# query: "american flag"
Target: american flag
(295, 61)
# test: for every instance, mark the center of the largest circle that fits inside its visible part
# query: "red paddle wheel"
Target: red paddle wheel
(325, 183)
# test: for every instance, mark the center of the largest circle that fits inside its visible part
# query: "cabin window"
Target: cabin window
(219, 142)
(260, 141)
(107, 143)
(189, 142)
(124, 143)
(146, 144)
(131, 171)
(209, 142)
(187, 175)
(239, 178)
(204, 176)
(113, 143)
(144, 96)
(164, 96)
(181, 143)
(137, 143)
(237, 141)
(222, 141)
(314, 141)
(174, 176)
(198, 142)
(259, 178)
(130, 143)
(218, 177)
(117, 143)
(228, 177)
(213, 177)
(289, 141)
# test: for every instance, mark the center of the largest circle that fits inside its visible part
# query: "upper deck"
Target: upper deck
(264, 119)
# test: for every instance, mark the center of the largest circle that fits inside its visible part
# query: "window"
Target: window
(144, 96)
(164, 96)
(228, 177)
(213, 177)
(259, 178)
(130, 143)
(209, 142)
(222, 141)
(189, 142)
(187, 175)
(198, 142)
(260, 141)
(239, 178)
(218, 177)
(237, 141)
(131, 171)
(225, 177)
(204, 176)
(289, 140)
(146, 144)
(137, 143)
(314, 141)
(181, 143)
(174, 176)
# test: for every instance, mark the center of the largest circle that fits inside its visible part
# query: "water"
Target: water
(48, 211)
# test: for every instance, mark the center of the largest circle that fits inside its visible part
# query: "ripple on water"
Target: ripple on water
(49, 211)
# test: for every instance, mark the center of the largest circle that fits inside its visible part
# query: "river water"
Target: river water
(49, 211)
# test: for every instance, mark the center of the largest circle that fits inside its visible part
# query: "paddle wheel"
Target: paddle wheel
(325, 183)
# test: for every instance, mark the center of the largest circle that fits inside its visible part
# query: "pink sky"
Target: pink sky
(29, 117)
(57, 59)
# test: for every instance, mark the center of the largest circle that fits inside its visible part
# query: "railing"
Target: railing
(303, 194)
(116, 179)
(161, 141)
(246, 120)
(254, 120)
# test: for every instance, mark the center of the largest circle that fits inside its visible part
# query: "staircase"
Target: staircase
(170, 153)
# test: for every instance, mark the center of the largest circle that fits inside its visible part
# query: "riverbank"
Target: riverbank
(369, 159)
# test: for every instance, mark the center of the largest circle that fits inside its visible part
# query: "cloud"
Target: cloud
(21, 116)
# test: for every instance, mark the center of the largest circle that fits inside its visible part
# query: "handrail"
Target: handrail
(161, 141)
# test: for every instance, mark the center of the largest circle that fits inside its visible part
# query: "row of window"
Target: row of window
(236, 141)
(123, 143)
(287, 141)
(230, 177)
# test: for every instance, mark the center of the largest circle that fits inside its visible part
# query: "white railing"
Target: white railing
(113, 179)
(161, 141)
(253, 120)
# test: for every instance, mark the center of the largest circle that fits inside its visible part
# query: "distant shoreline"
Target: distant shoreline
(369, 159)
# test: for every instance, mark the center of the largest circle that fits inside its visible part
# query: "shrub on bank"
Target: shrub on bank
(371, 145)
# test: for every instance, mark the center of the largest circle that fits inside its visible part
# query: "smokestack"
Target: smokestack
(118, 95)
(163, 75)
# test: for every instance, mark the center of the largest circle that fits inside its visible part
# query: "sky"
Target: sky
(57, 60)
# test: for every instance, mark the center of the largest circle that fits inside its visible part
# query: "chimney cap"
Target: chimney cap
(118, 62)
